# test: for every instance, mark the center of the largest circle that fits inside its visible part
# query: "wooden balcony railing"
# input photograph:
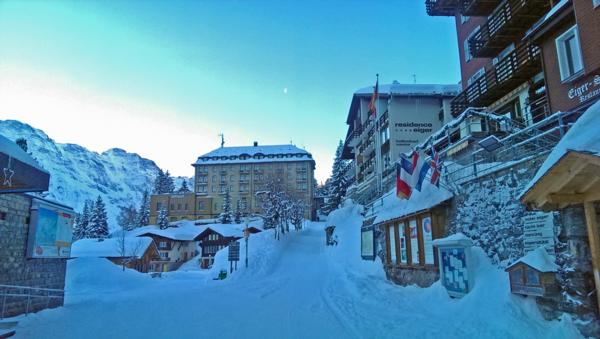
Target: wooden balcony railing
(478, 7)
(514, 69)
(508, 22)
(442, 7)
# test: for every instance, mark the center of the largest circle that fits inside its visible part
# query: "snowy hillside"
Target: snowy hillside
(78, 174)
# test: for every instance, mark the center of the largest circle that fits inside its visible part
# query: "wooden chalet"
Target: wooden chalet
(216, 237)
(134, 252)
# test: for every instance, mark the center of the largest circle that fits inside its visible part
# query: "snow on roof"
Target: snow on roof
(183, 232)
(546, 17)
(13, 150)
(454, 239)
(582, 137)
(270, 153)
(229, 230)
(394, 207)
(538, 259)
(397, 88)
(110, 247)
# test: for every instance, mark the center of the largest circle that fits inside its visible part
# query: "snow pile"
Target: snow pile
(581, 137)
(97, 278)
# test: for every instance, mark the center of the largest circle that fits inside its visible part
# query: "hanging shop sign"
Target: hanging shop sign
(367, 243)
(50, 230)
(18, 171)
(538, 231)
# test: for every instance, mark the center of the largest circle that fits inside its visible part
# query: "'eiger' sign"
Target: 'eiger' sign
(585, 91)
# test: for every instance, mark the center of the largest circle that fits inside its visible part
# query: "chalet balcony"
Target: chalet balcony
(478, 7)
(441, 7)
(514, 69)
(507, 23)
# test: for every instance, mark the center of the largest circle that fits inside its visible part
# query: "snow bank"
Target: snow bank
(581, 137)
(348, 221)
(93, 278)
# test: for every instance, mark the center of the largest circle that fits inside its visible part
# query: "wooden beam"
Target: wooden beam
(592, 196)
(559, 179)
(593, 181)
(594, 240)
(558, 198)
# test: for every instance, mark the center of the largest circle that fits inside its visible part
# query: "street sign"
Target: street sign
(234, 251)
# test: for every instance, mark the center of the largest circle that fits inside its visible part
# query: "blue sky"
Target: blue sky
(164, 78)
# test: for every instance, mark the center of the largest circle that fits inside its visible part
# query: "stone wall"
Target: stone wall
(15, 268)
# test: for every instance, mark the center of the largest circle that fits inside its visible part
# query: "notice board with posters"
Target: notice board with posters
(539, 231)
(50, 230)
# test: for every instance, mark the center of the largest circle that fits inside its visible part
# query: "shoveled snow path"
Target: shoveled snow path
(309, 291)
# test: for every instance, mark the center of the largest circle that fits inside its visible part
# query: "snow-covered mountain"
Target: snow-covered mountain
(77, 174)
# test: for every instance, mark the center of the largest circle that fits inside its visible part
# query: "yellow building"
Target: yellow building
(245, 170)
(180, 206)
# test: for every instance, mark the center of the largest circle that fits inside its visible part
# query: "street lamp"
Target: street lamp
(246, 236)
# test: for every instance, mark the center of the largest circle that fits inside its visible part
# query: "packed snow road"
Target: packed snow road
(294, 288)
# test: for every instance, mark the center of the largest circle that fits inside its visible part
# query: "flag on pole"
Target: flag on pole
(405, 174)
(373, 103)
(423, 168)
(436, 167)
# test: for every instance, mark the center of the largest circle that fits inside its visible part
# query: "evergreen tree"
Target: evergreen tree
(81, 230)
(77, 230)
(169, 185)
(144, 211)
(163, 219)
(184, 187)
(337, 183)
(22, 142)
(159, 182)
(128, 218)
(227, 215)
(98, 225)
(238, 212)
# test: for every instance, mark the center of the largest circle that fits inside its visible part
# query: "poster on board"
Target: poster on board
(367, 243)
(427, 240)
(414, 241)
(50, 230)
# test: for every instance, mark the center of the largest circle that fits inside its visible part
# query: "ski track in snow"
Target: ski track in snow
(307, 291)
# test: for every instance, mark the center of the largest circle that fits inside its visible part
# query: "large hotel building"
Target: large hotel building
(243, 171)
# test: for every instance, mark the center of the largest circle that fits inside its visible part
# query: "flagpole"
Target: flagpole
(378, 145)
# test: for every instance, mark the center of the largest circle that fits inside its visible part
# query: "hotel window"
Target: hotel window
(467, 48)
(214, 178)
(162, 244)
(200, 205)
(569, 53)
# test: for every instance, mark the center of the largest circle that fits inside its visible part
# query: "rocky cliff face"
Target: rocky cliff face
(77, 173)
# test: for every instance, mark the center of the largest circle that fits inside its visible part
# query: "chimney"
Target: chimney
(255, 143)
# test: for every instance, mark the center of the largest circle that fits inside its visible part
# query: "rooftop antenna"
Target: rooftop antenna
(414, 78)
(222, 139)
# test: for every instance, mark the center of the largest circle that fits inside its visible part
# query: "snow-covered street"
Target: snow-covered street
(294, 288)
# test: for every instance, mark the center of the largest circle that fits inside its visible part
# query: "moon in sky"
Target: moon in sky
(285, 90)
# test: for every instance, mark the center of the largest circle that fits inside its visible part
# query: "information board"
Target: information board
(234, 251)
(538, 231)
(50, 230)
(367, 243)
(414, 241)
(454, 270)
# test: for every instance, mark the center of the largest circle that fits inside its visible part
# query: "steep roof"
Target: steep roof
(110, 247)
(251, 154)
(582, 137)
(183, 232)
